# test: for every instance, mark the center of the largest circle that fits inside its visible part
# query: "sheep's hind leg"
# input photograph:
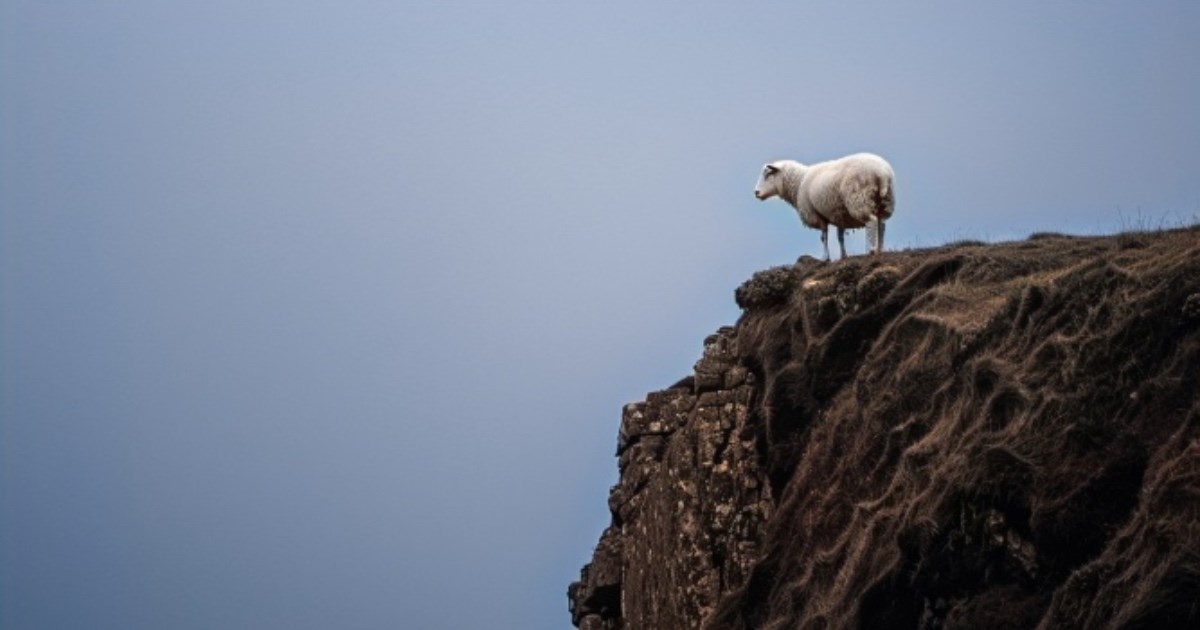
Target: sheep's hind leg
(825, 241)
(842, 240)
(875, 235)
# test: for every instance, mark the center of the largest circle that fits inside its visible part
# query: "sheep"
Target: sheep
(851, 192)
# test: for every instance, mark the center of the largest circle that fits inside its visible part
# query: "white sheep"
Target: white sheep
(851, 192)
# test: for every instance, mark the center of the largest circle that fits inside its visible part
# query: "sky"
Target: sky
(322, 314)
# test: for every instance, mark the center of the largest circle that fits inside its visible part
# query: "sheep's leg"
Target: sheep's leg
(842, 240)
(875, 235)
(825, 241)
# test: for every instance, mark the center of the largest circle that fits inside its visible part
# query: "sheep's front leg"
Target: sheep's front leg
(825, 240)
(879, 246)
(842, 240)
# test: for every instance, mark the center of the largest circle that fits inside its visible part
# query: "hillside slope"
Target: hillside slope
(971, 436)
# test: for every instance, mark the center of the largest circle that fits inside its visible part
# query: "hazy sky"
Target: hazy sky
(322, 314)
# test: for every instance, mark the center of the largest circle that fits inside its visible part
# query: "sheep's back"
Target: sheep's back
(850, 191)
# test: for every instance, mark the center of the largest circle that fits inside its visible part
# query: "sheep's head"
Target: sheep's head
(768, 182)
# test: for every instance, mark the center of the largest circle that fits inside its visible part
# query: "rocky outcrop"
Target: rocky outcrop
(689, 508)
(972, 436)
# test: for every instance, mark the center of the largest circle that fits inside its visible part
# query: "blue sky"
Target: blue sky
(322, 314)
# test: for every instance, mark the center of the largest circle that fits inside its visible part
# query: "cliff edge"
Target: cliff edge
(970, 436)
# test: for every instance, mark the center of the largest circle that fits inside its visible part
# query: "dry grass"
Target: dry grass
(981, 436)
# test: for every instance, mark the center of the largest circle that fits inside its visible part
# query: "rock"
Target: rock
(974, 436)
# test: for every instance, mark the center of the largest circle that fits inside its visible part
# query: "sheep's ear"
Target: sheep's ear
(771, 168)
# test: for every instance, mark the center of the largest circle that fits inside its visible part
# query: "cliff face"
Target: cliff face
(973, 436)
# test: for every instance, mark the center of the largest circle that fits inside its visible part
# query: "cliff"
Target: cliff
(971, 436)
